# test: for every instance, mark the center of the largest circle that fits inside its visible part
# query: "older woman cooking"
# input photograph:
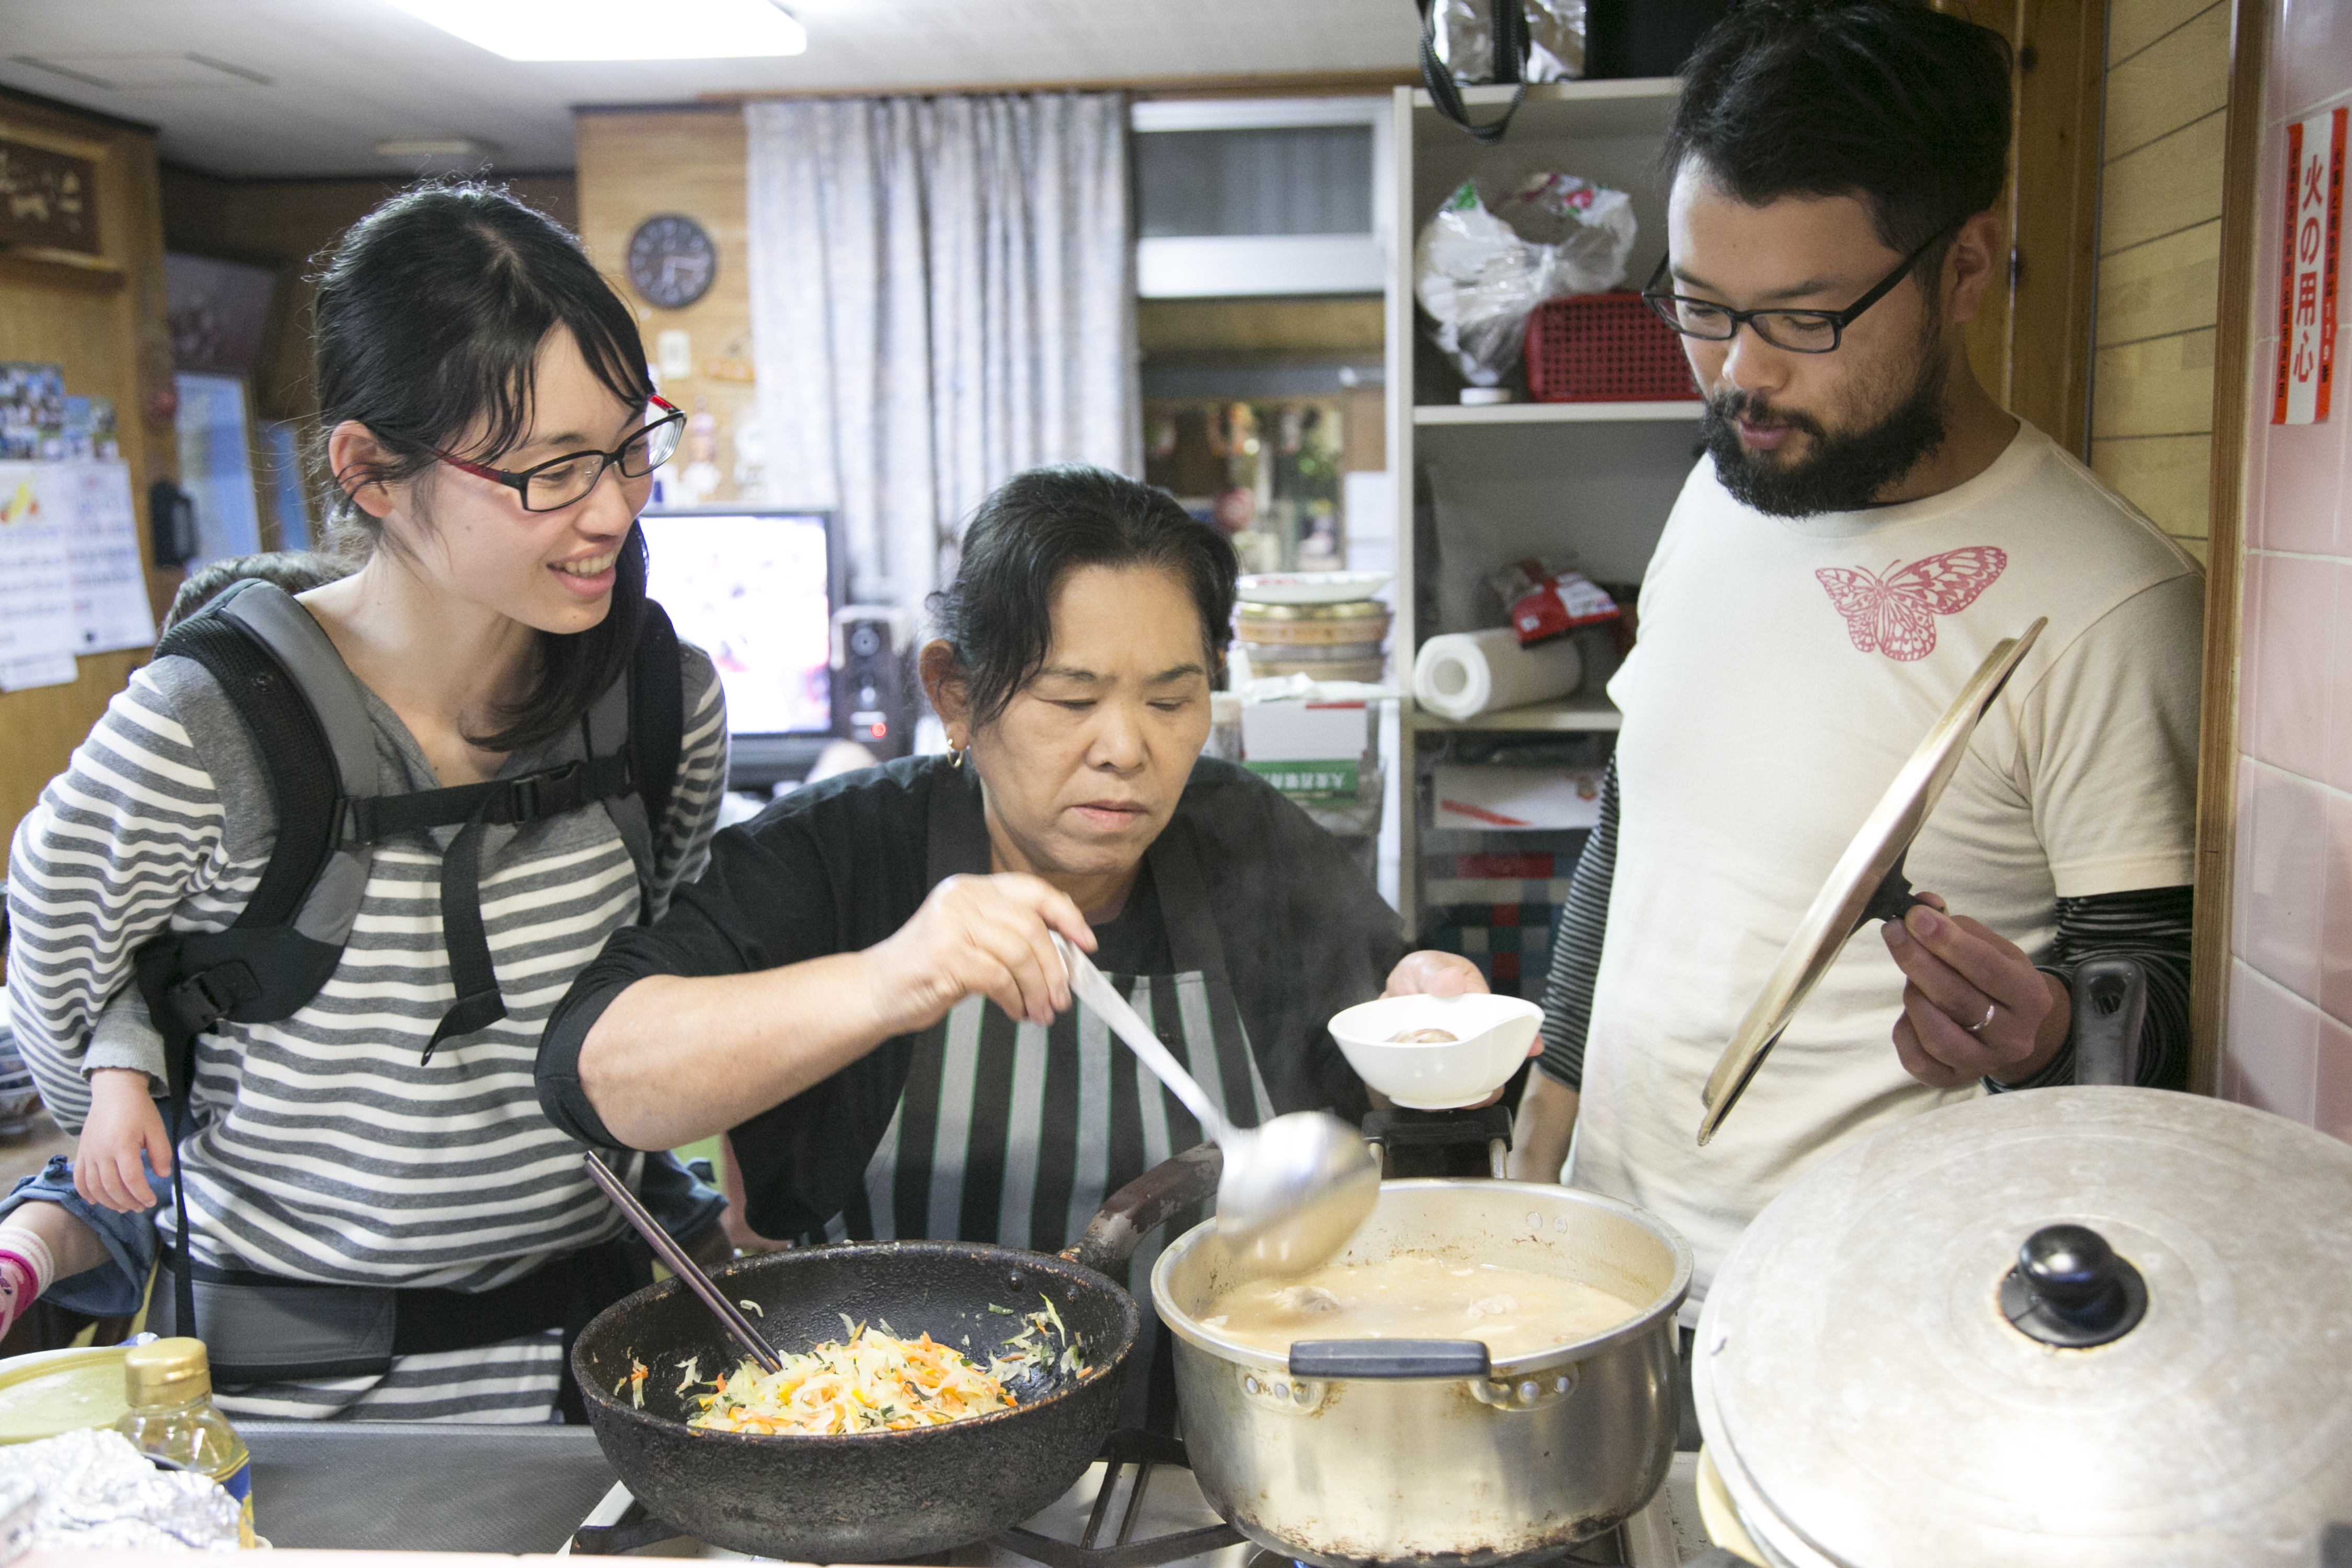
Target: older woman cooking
(823, 990)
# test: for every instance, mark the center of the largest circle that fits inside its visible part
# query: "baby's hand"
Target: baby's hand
(123, 1124)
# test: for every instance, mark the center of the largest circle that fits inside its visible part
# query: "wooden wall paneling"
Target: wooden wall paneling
(2060, 56)
(2030, 341)
(111, 344)
(1349, 324)
(2134, 25)
(2217, 743)
(2170, 478)
(2177, 77)
(2157, 387)
(2163, 187)
(1988, 333)
(2158, 271)
(291, 226)
(1366, 411)
(636, 164)
(2168, 285)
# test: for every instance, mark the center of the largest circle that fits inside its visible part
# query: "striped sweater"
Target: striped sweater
(323, 1149)
(2149, 926)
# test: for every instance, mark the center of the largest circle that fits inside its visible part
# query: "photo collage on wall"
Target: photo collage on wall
(41, 422)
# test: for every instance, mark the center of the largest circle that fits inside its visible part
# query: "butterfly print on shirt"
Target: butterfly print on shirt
(1895, 614)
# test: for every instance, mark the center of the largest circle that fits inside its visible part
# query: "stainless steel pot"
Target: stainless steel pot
(1375, 1452)
(2091, 1327)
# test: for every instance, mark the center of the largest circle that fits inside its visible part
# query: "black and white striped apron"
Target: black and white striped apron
(1014, 1133)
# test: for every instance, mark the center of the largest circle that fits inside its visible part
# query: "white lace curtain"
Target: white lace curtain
(942, 295)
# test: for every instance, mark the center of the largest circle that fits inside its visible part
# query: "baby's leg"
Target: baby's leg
(40, 1244)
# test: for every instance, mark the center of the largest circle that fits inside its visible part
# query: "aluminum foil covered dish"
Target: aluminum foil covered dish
(96, 1490)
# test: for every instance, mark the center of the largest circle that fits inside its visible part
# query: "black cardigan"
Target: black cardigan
(838, 866)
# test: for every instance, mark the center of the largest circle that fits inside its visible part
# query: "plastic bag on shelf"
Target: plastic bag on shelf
(1481, 271)
(1546, 602)
(1462, 32)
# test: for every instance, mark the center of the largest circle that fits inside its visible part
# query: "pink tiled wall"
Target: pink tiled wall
(2288, 1040)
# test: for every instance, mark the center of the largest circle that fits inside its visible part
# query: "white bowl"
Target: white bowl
(1310, 587)
(1492, 1036)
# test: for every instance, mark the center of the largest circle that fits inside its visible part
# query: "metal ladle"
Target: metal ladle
(1294, 1190)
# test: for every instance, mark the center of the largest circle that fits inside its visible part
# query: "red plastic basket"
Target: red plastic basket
(1604, 348)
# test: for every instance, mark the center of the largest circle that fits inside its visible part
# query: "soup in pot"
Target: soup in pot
(1514, 1312)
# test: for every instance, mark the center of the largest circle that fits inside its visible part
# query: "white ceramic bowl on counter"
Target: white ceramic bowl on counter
(1491, 1038)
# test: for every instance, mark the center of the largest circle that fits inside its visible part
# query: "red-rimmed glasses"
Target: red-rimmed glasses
(561, 481)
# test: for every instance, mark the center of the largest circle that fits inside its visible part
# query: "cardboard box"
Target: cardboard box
(1322, 780)
(1293, 729)
(1512, 798)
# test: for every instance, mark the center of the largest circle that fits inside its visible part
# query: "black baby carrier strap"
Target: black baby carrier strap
(1510, 35)
(309, 722)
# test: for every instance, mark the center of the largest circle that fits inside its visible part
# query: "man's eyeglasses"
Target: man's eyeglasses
(559, 481)
(1799, 332)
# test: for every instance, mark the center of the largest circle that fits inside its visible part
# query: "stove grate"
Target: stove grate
(1124, 1450)
(1128, 1456)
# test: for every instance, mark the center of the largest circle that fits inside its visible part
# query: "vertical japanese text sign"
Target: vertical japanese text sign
(2315, 211)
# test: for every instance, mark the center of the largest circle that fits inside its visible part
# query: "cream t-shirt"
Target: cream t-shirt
(1786, 670)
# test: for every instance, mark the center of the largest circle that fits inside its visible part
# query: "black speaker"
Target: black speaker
(874, 696)
(1646, 38)
(171, 523)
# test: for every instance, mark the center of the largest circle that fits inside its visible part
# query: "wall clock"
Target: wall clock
(671, 260)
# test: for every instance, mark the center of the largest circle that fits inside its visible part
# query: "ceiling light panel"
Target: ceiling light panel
(435, 147)
(618, 29)
(147, 71)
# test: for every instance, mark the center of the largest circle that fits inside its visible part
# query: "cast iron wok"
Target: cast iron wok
(879, 1496)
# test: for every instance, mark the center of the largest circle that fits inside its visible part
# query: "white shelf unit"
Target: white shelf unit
(1428, 413)
(1588, 480)
(1580, 713)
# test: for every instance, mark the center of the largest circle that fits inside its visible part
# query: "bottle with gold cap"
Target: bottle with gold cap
(172, 1418)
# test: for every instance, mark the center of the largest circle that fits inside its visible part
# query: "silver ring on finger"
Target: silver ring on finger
(1979, 1026)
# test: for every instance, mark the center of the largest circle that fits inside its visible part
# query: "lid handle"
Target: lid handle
(2110, 1005)
(2069, 1289)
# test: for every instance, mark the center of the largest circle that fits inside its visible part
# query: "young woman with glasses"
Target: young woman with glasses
(491, 433)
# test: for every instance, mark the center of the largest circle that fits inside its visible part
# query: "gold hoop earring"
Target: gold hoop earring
(955, 754)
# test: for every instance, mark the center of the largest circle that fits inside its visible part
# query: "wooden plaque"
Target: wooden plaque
(48, 200)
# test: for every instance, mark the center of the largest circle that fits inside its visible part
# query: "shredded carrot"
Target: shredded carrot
(874, 1381)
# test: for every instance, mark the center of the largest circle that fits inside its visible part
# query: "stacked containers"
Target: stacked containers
(1345, 641)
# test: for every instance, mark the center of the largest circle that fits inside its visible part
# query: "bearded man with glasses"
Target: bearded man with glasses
(1866, 523)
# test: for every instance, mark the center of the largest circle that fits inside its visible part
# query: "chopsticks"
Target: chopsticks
(685, 1267)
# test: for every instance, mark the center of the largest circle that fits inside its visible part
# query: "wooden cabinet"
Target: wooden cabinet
(101, 318)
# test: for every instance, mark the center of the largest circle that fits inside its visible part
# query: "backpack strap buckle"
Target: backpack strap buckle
(534, 796)
(205, 997)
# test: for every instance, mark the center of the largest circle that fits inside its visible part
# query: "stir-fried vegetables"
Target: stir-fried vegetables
(1030, 1353)
(874, 1381)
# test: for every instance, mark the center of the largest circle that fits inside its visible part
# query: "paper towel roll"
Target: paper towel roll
(1464, 674)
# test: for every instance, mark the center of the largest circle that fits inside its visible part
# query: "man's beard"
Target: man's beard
(1842, 472)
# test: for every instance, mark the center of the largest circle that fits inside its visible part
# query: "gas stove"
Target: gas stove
(1138, 1506)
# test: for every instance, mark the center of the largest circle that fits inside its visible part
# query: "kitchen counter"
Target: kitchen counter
(466, 1496)
(423, 1486)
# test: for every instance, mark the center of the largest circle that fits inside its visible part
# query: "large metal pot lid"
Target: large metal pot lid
(1869, 1403)
(1867, 883)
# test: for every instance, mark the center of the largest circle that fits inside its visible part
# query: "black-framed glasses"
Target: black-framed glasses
(561, 481)
(1799, 332)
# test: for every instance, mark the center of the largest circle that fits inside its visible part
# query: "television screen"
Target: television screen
(755, 590)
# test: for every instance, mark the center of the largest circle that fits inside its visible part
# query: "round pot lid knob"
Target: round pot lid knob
(2071, 1289)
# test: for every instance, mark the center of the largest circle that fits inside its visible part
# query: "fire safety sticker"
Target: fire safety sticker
(2314, 212)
